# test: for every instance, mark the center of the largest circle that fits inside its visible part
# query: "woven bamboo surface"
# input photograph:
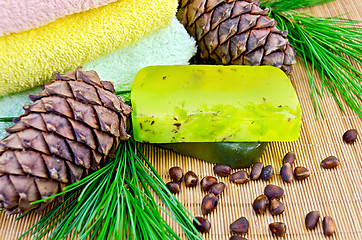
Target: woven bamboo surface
(336, 193)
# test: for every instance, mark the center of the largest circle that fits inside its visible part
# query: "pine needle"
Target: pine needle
(331, 46)
(6, 119)
(116, 202)
(120, 92)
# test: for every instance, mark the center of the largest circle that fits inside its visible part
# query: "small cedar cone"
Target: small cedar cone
(235, 32)
(69, 129)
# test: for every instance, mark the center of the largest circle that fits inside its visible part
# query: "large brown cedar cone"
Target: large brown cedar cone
(69, 130)
(236, 32)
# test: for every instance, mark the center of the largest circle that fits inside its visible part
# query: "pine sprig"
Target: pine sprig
(116, 202)
(287, 5)
(330, 46)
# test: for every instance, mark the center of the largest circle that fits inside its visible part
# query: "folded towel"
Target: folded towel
(169, 46)
(29, 58)
(21, 15)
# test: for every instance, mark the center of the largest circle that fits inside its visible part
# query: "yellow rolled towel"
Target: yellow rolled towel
(29, 58)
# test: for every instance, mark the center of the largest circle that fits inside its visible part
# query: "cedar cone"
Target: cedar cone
(236, 32)
(69, 130)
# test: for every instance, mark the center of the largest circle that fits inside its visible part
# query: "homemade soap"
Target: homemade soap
(210, 103)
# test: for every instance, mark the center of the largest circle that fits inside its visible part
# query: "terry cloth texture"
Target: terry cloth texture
(169, 46)
(29, 58)
(20, 15)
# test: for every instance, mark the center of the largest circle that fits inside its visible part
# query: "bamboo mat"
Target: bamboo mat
(336, 193)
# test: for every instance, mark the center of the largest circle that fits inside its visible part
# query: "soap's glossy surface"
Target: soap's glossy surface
(235, 155)
(209, 103)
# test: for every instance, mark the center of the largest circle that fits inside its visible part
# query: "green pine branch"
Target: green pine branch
(330, 46)
(116, 202)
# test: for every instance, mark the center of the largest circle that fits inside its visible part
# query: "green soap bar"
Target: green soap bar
(210, 103)
(235, 155)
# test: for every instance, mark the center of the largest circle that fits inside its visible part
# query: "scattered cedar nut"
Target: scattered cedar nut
(301, 173)
(350, 136)
(276, 207)
(273, 191)
(289, 158)
(286, 172)
(278, 228)
(203, 226)
(222, 170)
(176, 174)
(329, 227)
(190, 179)
(207, 182)
(240, 177)
(240, 226)
(237, 238)
(267, 173)
(260, 204)
(311, 220)
(217, 188)
(256, 170)
(209, 203)
(330, 162)
(174, 187)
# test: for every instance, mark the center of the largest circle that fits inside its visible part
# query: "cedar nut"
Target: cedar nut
(222, 170)
(289, 158)
(276, 207)
(273, 191)
(190, 179)
(209, 204)
(217, 188)
(240, 226)
(237, 238)
(176, 174)
(278, 228)
(260, 204)
(350, 136)
(286, 172)
(203, 224)
(301, 173)
(267, 173)
(311, 220)
(240, 177)
(174, 187)
(330, 162)
(329, 227)
(207, 182)
(256, 170)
